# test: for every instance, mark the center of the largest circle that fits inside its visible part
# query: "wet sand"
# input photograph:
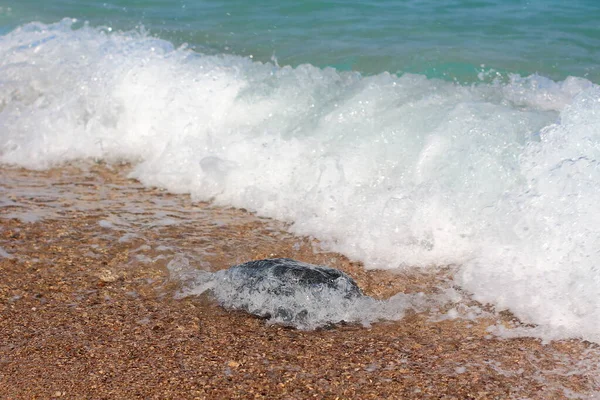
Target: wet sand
(87, 310)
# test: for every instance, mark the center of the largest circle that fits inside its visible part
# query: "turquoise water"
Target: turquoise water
(451, 39)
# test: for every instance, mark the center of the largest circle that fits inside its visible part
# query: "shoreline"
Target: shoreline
(87, 310)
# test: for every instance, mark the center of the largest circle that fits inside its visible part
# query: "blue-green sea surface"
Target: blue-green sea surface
(451, 39)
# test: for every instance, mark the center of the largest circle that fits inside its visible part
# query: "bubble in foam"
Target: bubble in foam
(288, 292)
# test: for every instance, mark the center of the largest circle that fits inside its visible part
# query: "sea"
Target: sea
(402, 134)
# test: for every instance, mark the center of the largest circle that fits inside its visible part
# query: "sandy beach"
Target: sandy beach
(87, 310)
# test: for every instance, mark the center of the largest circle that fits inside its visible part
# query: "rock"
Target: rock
(287, 291)
(283, 276)
(282, 290)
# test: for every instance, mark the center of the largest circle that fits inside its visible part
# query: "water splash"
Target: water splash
(288, 292)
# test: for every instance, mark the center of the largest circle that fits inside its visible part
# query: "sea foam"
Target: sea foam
(500, 179)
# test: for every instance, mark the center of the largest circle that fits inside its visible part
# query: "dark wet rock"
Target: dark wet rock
(285, 290)
(283, 276)
(288, 292)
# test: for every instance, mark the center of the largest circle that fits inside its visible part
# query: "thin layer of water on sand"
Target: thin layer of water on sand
(83, 241)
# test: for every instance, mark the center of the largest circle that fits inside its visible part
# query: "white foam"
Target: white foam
(500, 179)
(548, 256)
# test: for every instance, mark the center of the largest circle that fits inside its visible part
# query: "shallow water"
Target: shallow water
(100, 260)
(198, 244)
